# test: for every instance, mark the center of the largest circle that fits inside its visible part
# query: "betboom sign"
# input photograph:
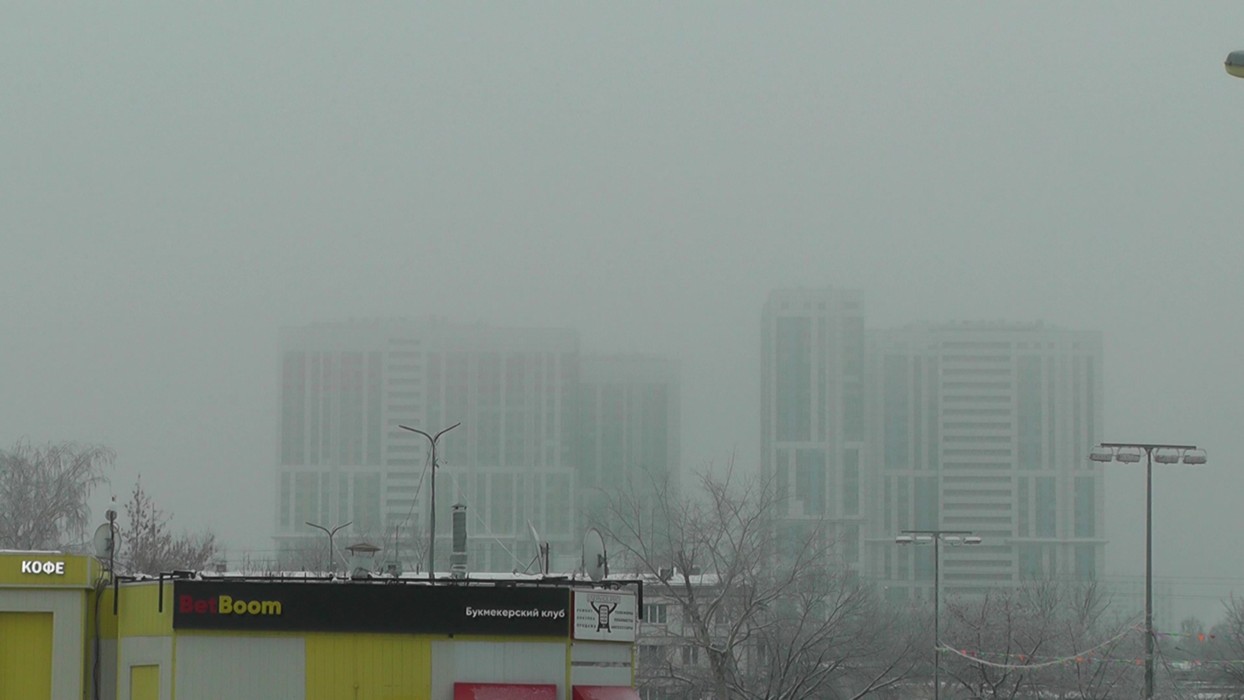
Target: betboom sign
(385, 608)
(47, 568)
(227, 605)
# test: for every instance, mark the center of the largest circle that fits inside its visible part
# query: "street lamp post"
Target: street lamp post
(332, 556)
(432, 440)
(1129, 453)
(935, 537)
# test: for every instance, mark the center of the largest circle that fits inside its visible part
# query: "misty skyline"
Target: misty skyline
(181, 182)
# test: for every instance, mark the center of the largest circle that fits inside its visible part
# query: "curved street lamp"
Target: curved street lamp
(935, 538)
(332, 557)
(432, 440)
(1129, 453)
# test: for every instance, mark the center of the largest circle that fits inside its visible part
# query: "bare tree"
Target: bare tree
(147, 545)
(1041, 637)
(764, 609)
(1227, 644)
(44, 491)
(311, 555)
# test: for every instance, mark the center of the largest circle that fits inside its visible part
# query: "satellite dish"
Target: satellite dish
(595, 561)
(105, 541)
(535, 539)
(541, 560)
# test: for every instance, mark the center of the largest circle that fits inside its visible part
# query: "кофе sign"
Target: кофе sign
(357, 607)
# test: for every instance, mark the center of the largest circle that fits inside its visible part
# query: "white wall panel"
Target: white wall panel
(241, 667)
(600, 663)
(146, 651)
(68, 607)
(496, 662)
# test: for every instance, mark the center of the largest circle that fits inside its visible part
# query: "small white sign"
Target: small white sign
(49, 568)
(604, 615)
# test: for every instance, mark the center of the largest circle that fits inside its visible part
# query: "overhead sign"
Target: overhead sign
(371, 607)
(47, 569)
(604, 615)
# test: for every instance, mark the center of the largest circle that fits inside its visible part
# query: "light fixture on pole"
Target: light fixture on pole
(1129, 453)
(1235, 64)
(935, 538)
(332, 556)
(432, 440)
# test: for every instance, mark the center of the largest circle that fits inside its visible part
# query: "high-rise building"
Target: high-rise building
(627, 421)
(346, 387)
(812, 409)
(985, 427)
(515, 458)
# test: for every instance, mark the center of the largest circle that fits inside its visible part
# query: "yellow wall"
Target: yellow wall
(25, 655)
(368, 667)
(107, 621)
(145, 682)
(139, 615)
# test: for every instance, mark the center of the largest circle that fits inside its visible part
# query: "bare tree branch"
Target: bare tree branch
(44, 492)
(765, 609)
(147, 545)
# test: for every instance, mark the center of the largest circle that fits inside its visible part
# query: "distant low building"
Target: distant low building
(68, 632)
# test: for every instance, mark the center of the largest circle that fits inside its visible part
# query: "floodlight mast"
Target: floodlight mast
(1129, 453)
(935, 537)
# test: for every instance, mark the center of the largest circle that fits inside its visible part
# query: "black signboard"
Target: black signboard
(371, 607)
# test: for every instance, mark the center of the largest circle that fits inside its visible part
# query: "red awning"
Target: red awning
(504, 691)
(605, 692)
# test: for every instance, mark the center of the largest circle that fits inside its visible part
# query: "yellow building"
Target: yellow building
(201, 636)
(46, 605)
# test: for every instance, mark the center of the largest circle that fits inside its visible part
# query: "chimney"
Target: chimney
(458, 559)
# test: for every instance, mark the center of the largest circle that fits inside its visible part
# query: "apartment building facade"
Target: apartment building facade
(813, 437)
(985, 428)
(519, 395)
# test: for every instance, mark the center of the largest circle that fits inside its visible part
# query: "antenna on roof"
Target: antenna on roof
(595, 559)
(541, 559)
(105, 540)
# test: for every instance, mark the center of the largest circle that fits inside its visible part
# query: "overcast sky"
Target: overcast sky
(178, 183)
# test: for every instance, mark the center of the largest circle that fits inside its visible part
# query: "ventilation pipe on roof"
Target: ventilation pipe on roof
(458, 559)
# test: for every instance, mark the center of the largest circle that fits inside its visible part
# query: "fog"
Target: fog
(180, 182)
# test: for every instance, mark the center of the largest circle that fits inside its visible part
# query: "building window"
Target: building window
(1086, 520)
(1028, 412)
(1046, 506)
(656, 613)
(851, 483)
(810, 481)
(1030, 561)
(1086, 562)
(895, 408)
(794, 378)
